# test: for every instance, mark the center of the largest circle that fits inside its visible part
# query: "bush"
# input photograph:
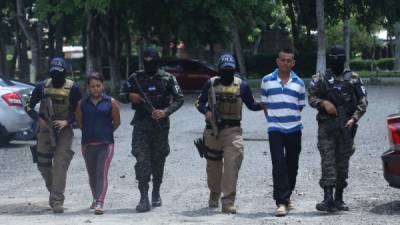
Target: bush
(369, 64)
(385, 64)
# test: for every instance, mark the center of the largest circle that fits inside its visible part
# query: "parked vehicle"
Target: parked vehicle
(190, 74)
(24, 89)
(391, 158)
(13, 117)
(19, 131)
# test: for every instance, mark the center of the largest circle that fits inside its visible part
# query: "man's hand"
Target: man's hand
(329, 107)
(135, 98)
(208, 116)
(42, 123)
(265, 111)
(60, 124)
(350, 123)
(158, 114)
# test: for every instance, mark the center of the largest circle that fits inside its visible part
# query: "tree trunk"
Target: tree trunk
(397, 47)
(128, 49)
(238, 48)
(142, 45)
(11, 71)
(294, 21)
(41, 73)
(346, 32)
(114, 50)
(23, 24)
(23, 61)
(321, 54)
(3, 58)
(59, 36)
(51, 39)
(93, 58)
(258, 40)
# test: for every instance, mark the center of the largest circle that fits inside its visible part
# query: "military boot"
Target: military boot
(144, 203)
(339, 203)
(228, 208)
(155, 195)
(327, 204)
(58, 207)
(214, 199)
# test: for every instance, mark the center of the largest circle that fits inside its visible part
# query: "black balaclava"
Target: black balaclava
(337, 59)
(58, 78)
(226, 68)
(151, 67)
(58, 69)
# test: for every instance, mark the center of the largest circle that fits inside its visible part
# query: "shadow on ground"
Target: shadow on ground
(390, 208)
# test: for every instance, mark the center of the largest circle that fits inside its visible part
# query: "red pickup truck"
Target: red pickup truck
(391, 158)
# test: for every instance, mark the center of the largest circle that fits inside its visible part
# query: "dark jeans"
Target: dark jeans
(285, 150)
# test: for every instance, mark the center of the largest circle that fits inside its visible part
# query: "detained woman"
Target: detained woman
(98, 117)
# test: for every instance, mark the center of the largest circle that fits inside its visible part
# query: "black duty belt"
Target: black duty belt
(224, 125)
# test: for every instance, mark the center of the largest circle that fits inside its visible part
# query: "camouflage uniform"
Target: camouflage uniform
(335, 142)
(150, 138)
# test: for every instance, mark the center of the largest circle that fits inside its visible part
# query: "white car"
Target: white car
(13, 117)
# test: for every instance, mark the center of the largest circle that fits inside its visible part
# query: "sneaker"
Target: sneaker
(99, 210)
(93, 205)
(290, 205)
(214, 199)
(228, 209)
(281, 210)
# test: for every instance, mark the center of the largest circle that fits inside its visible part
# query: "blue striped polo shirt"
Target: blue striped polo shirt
(284, 102)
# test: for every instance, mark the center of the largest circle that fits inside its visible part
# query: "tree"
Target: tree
(32, 38)
(346, 31)
(321, 53)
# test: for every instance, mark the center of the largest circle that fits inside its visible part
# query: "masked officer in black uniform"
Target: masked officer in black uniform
(155, 95)
(340, 98)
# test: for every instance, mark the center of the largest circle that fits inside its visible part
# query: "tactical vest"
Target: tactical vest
(228, 99)
(340, 92)
(156, 88)
(59, 98)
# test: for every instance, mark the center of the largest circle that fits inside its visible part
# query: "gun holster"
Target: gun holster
(201, 148)
(34, 153)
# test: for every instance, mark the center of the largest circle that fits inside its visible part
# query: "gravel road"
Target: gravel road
(23, 198)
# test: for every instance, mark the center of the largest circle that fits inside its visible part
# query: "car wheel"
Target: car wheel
(5, 137)
(4, 140)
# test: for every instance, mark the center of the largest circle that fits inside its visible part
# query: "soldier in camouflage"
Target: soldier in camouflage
(341, 100)
(151, 123)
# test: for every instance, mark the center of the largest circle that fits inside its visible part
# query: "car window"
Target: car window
(5, 83)
(173, 66)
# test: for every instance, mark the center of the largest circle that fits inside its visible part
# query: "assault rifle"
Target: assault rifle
(49, 114)
(148, 105)
(215, 120)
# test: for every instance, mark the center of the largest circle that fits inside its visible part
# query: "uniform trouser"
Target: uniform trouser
(98, 159)
(53, 162)
(150, 147)
(285, 151)
(222, 175)
(335, 148)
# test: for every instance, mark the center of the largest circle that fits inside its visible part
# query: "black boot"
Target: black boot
(339, 203)
(155, 195)
(327, 204)
(144, 203)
